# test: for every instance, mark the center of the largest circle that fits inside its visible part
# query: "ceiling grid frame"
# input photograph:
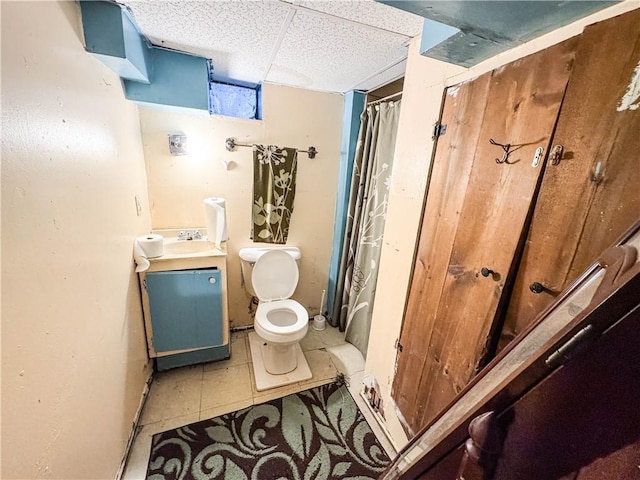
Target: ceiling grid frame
(274, 52)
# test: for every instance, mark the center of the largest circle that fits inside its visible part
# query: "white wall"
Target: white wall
(178, 184)
(74, 362)
(425, 80)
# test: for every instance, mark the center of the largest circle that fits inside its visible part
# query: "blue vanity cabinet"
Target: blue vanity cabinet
(186, 309)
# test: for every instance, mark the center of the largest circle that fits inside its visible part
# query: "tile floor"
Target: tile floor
(189, 394)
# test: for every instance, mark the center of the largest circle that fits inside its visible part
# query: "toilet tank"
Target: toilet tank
(248, 257)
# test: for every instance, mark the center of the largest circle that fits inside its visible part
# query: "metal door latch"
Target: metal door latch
(537, 157)
(556, 154)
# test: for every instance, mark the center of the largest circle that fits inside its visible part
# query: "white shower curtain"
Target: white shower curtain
(365, 222)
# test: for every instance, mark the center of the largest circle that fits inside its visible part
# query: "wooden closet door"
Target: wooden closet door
(462, 114)
(592, 195)
(451, 306)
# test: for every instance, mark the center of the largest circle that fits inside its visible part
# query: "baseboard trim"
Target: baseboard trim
(242, 328)
(134, 426)
(379, 421)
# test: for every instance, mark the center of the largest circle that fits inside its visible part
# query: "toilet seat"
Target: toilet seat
(271, 332)
(274, 276)
(274, 279)
(279, 322)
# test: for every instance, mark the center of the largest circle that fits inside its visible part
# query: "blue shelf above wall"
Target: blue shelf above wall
(111, 36)
(178, 80)
(465, 32)
(157, 76)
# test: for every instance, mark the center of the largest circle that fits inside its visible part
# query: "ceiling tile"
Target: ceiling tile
(239, 36)
(321, 53)
(372, 13)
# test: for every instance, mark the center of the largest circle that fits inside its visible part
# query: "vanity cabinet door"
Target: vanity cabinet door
(186, 309)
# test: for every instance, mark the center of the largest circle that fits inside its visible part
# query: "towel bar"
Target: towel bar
(231, 145)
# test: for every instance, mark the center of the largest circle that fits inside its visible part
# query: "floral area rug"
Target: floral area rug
(316, 434)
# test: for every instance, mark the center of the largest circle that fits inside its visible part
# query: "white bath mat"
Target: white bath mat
(264, 380)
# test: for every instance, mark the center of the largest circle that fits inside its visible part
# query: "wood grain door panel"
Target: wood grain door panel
(462, 113)
(522, 107)
(451, 307)
(592, 195)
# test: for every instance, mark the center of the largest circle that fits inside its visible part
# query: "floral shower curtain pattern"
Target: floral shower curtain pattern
(274, 188)
(368, 201)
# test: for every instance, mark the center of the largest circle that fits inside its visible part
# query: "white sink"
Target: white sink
(173, 246)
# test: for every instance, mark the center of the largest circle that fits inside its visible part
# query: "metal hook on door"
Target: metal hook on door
(507, 150)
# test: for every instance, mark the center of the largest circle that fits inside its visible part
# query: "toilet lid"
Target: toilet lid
(275, 276)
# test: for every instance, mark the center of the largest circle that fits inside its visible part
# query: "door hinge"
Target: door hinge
(398, 345)
(576, 344)
(144, 284)
(439, 129)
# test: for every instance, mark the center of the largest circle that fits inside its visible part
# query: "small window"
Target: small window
(235, 100)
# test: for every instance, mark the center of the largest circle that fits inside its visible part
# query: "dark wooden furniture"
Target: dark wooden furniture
(561, 402)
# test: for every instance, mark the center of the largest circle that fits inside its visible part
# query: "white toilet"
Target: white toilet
(271, 275)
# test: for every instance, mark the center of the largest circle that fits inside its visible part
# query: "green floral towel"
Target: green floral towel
(274, 187)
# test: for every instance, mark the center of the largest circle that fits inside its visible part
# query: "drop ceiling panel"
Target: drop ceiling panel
(339, 45)
(321, 53)
(238, 36)
(369, 12)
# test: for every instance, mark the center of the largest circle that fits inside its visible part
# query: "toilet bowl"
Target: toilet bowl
(279, 321)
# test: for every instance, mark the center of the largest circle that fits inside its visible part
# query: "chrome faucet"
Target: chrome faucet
(189, 235)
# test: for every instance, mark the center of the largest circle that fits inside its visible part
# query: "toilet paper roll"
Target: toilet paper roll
(147, 246)
(151, 244)
(216, 217)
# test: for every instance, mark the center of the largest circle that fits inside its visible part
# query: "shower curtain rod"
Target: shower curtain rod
(231, 145)
(384, 99)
